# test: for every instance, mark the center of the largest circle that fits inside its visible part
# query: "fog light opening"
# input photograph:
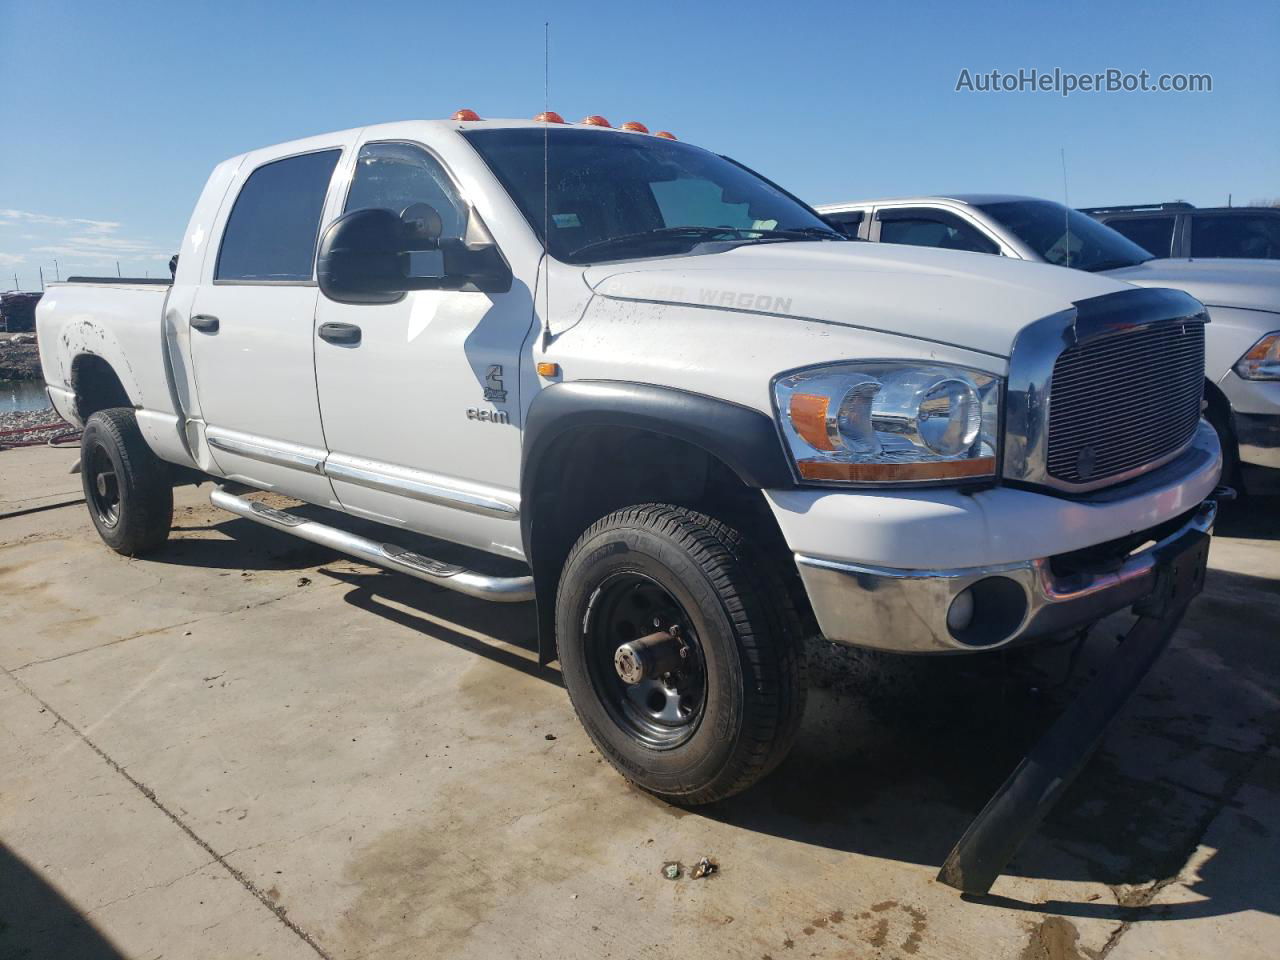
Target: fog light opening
(988, 612)
(960, 614)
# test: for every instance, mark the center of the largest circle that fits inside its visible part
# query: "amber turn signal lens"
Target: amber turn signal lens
(635, 126)
(548, 369)
(549, 116)
(808, 412)
(465, 114)
(665, 135)
(595, 120)
(897, 472)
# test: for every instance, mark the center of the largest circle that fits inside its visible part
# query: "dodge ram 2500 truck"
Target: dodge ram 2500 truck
(702, 423)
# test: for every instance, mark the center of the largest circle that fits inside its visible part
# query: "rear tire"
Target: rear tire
(126, 486)
(729, 713)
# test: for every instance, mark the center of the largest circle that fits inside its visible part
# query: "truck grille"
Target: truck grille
(1120, 402)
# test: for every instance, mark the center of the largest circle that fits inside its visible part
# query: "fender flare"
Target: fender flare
(744, 439)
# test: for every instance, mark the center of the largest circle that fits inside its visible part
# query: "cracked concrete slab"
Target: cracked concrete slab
(366, 759)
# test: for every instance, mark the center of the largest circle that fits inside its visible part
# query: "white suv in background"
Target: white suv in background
(1242, 343)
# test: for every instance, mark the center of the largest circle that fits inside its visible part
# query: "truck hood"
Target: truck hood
(1243, 284)
(970, 300)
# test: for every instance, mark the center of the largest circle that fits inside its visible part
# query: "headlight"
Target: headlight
(1262, 362)
(890, 422)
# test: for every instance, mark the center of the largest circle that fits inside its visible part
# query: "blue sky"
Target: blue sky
(112, 114)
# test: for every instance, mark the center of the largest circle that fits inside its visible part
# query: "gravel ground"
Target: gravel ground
(17, 420)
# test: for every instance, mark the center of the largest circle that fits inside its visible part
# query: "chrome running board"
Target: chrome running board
(450, 576)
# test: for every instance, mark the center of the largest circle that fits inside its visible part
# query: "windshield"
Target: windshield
(615, 197)
(1064, 236)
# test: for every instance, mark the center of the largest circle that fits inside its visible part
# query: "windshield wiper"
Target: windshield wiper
(698, 232)
(1111, 265)
(660, 233)
(799, 233)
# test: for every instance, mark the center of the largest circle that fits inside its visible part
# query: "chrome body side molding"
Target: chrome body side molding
(280, 454)
(419, 485)
(402, 481)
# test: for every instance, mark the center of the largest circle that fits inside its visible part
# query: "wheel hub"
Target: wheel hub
(650, 657)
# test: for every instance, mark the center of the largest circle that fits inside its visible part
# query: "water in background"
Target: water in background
(22, 395)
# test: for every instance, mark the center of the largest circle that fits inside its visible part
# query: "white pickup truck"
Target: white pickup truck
(703, 424)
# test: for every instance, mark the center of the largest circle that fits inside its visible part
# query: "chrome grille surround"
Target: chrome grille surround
(1120, 361)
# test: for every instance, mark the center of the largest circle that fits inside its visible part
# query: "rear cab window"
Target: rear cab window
(270, 236)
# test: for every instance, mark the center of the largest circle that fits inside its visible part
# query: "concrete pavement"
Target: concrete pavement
(248, 746)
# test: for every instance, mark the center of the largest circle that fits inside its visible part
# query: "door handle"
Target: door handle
(340, 333)
(204, 323)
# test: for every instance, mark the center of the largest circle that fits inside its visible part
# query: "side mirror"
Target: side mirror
(374, 256)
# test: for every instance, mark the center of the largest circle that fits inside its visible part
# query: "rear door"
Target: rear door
(251, 325)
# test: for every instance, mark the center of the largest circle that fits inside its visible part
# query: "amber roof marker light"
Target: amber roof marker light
(465, 114)
(548, 116)
(665, 135)
(595, 120)
(635, 126)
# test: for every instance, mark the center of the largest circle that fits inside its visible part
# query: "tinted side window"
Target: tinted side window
(1234, 235)
(395, 176)
(1152, 234)
(932, 228)
(271, 233)
(847, 222)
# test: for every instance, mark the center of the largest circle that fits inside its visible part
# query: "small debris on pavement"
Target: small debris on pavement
(304, 581)
(549, 736)
(671, 870)
(703, 868)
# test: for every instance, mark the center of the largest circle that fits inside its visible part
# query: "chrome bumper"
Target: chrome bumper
(1259, 438)
(907, 610)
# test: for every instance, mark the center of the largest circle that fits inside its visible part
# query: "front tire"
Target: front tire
(126, 486)
(724, 708)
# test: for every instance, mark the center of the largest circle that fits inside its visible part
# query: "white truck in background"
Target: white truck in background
(699, 422)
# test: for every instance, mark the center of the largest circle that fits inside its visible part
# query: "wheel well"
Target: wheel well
(96, 386)
(589, 473)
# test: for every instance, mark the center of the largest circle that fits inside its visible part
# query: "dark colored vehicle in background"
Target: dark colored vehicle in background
(1180, 230)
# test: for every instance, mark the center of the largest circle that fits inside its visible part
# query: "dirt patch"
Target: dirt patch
(1055, 938)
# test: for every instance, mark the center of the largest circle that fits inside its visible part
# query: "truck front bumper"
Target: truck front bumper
(1259, 437)
(1014, 592)
(1255, 413)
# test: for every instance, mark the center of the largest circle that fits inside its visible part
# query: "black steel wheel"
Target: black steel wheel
(126, 486)
(662, 709)
(680, 652)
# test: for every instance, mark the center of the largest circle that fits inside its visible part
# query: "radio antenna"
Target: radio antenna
(546, 184)
(1066, 203)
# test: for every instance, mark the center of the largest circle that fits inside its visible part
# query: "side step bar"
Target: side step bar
(451, 576)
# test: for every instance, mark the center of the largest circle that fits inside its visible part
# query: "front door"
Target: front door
(420, 398)
(251, 329)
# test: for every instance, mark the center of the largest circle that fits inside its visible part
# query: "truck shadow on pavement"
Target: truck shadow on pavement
(37, 921)
(896, 754)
